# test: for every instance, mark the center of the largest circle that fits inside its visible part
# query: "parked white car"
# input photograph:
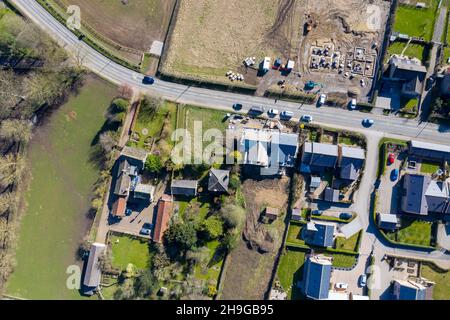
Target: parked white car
(363, 280)
(322, 99)
(307, 118)
(353, 104)
(273, 112)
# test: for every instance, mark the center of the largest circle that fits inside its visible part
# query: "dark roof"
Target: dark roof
(123, 184)
(184, 187)
(408, 290)
(319, 155)
(427, 150)
(218, 180)
(331, 195)
(387, 221)
(93, 273)
(134, 153)
(415, 187)
(317, 277)
(283, 149)
(323, 237)
(351, 163)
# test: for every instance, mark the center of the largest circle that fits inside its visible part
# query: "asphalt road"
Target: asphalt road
(94, 61)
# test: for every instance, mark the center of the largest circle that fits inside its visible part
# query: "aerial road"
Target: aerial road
(88, 57)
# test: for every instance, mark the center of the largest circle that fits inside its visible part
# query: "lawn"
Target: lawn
(341, 260)
(209, 119)
(429, 167)
(150, 126)
(348, 244)
(127, 250)
(413, 50)
(290, 272)
(347, 140)
(58, 198)
(294, 233)
(413, 232)
(416, 22)
(211, 270)
(441, 290)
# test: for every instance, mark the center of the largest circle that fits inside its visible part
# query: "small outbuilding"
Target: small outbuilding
(186, 188)
(218, 181)
(93, 273)
(271, 213)
(388, 221)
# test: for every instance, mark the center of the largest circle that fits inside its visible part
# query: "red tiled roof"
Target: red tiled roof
(163, 217)
(119, 207)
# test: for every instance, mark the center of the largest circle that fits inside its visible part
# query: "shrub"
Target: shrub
(211, 228)
(153, 163)
(233, 215)
(182, 235)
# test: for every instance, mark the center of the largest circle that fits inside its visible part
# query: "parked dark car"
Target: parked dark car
(148, 80)
(345, 216)
(394, 174)
(256, 111)
(237, 106)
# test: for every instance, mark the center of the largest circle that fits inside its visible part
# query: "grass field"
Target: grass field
(416, 22)
(290, 272)
(414, 50)
(413, 232)
(441, 290)
(348, 244)
(211, 270)
(59, 195)
(127, 250)
(429, 167)
(211, 37)
(294, 234)
(342, 260)
(133, 25)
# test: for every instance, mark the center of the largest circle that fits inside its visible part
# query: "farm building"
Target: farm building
(184, 188)
(93, 274)
(163, 214)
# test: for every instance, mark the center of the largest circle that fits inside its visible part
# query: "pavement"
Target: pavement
(338, 118)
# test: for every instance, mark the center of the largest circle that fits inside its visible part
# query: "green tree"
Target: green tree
(119, 105)
(211, 228)
(182, 235)
(233, 215)
(153, 163)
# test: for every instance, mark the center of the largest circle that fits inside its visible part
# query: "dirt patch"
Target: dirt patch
(249, 270)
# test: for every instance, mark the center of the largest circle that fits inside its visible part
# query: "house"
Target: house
(422, 195)
(93, 273)
(163, 214)
(283, 149)
(319, 234)
(429, 151)
(119, 207)
(410, 73)
(388, 221)
(126, 168)
(331, 195)
(144, 192)
(317, 276)
(271, 213)
(255, 147)
(184, 188)
(218, 181)
(409, 290)
(351, 162)
(296, 214)
(317, 157)
(135, 157)
(123, 184)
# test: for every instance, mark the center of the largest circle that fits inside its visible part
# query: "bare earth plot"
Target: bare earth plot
(212, 36)
(248, 273)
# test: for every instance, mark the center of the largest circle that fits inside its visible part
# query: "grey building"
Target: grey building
(318, 156)
(218, 181)
(184, 188)
(93, 274)
(409, 290)
(144, 192)
(429, 151)
(317, 276)
(351, 163)
(388, 221)
(296, 214)
(410, 73)
(319, 234)
(331, 195)
(123, 184)
(423, 195)
(135, 157)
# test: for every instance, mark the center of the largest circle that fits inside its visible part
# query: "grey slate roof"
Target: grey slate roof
(218, 180)
(351, 163)
(331, 195)
(317, 276)
(184, 187)
(283, 148)
(323, 237)
(93, 273)
(134, 153)
(320, 155)
(422, 195)
(409, 290)
(429, 150)
(123, 184)
(387, 221)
